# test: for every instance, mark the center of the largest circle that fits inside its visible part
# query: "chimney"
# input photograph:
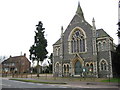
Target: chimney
(24, 54)
(10, 56)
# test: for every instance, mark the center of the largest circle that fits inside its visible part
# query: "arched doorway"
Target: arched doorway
(78, 68)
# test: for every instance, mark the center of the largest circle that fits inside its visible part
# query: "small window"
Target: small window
(99, 46)
(104, 46)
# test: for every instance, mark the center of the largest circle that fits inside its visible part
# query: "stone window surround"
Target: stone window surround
(57, 64)
(101, 46)
(100, 64)
(70, 39)
(67, 66)
(88, 64)
(56, 50)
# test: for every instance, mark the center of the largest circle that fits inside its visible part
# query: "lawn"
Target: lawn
(111, 80)
(36, 81)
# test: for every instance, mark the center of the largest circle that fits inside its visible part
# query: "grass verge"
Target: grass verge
(117, 80)
(35, 81)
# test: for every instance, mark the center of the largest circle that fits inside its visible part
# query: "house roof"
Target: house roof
(101, 33)
(57, 42)
(14, 59)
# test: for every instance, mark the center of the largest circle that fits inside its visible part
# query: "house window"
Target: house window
(12, 64)
(77, 42)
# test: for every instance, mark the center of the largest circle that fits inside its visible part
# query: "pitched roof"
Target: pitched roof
(101, 33)
(79, 11)
(14, 59)
(57, 42)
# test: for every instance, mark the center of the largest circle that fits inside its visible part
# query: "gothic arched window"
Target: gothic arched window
(64, 69)
(67, 68)
(57, 67)
(99, 46)
(103, 65)
(91, 67)
(77, 41)
(104, 46)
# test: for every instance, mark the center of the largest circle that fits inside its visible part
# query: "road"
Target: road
(18, 84)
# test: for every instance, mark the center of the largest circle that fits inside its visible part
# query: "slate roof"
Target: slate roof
(57, 43)
(101, 33)
(14, 59)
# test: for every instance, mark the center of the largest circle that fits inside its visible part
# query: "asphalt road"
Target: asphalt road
(18, 85)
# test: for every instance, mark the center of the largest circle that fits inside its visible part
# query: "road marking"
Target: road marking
(39, 84)
(6, 85)
(5, 78)
(63, 87)
(52, 85)
(31, 83)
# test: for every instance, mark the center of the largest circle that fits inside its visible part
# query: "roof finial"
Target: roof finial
(79, 11)
(61, 31)
(93, 22)
(79, 3)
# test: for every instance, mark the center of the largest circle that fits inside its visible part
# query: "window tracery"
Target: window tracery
(103, 65)
(77, 42)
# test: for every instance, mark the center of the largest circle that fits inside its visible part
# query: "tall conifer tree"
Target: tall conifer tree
(38, 51)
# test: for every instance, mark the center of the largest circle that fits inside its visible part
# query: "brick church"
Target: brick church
(83, 50)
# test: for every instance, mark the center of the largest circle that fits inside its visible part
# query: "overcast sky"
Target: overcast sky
(19, 17)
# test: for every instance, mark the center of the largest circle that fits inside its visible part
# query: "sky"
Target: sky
(18, 20)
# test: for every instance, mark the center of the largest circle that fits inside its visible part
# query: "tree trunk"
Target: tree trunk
(37, 68)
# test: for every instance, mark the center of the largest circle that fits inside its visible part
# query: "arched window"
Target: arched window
(91, 67)
(77, 41)
(57, 68)
(67, 68)
(58, 51)
(104, 46)
(103, 65)
(64, 69)
(87, 65)
(99, 46)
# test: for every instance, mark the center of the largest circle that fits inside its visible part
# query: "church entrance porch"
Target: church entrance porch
(77, 65)
(78, 68)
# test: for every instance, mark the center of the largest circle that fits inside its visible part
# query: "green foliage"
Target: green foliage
(50, 66)
(38, 50)
(51, 56)
(118, 34)
(111, 80)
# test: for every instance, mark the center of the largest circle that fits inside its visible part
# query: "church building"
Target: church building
(83, 50)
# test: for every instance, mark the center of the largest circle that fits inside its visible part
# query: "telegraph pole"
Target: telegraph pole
(118, 22)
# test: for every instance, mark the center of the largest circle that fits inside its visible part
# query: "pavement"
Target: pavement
(79, 84)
